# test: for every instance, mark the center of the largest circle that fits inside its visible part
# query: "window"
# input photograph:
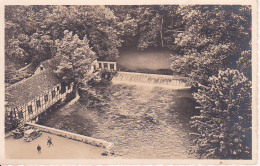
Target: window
(111, 66)
(30, 109)
(20, 115)
(41, 68)
(38, 103)
(63, 88)
(100, 65)
(46, 98)
(58, 88)
(53, 93)
(105, 65)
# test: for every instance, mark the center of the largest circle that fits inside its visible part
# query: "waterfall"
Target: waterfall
(152, 79)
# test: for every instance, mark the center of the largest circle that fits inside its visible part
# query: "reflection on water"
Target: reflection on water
(130, 60)
(142, 121)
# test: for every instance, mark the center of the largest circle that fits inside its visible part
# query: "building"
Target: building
(29, 98)
(34, 95)
(52, 63)
(48, 64)
(105, 65)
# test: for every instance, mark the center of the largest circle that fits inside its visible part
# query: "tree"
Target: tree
(97, 22)
(199, 66)
(244, 63)
(24, 39)
(225, 119)
(213, 39)
(152, 26)
(128, 31)
(18, 48)
(147, 26)
(42, 25)
(75, 59)
(41, 46)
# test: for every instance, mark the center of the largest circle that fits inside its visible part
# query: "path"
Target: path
(63, 149)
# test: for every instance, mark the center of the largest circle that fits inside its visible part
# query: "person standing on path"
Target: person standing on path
(49, 142)
(39, 149)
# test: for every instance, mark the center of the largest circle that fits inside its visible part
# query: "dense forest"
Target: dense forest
(212, 45)
(206, 38)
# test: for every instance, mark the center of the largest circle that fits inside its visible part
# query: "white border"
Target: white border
(132, 161)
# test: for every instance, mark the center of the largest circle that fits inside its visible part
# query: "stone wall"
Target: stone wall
(88, 140)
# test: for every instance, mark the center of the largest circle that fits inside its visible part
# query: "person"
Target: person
(39, 149)
(49, 142)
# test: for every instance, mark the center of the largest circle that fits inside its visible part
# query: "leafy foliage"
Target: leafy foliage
(244, 63)
(214, 38)
(75, 58)
(97, 22)
(225, 119)
(31, 31)
(148, 25)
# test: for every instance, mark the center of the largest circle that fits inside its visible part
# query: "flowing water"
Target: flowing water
(142, 121)
(155, 79)
(142, 118)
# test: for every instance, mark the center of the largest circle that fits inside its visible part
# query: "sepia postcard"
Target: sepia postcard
(129, 82)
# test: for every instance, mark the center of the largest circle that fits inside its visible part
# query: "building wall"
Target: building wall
(43, 105)
(39, 69)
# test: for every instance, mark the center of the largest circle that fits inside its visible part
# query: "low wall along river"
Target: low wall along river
(88, 140)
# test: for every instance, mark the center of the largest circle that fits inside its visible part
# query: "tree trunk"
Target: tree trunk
(161, 32)
(77, 93)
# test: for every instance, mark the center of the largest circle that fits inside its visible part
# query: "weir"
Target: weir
(169, 81)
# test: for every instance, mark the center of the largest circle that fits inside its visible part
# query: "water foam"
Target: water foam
(143, 79)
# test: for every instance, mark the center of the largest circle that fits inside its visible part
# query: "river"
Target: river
(149, 61)
(143, 121)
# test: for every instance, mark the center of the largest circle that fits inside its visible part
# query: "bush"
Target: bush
(225, 119)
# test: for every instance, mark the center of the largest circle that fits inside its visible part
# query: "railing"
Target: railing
(106, 65)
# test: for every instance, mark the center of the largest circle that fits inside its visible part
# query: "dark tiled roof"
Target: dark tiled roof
(28, 89)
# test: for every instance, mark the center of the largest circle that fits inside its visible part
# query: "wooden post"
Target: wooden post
(102, 65)
(115, 66)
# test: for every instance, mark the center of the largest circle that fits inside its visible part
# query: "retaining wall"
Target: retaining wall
(89, 140)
